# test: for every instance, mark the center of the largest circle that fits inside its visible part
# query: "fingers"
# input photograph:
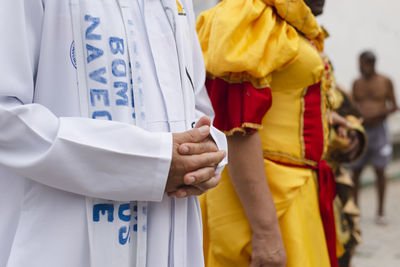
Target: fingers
(203, 121)
(199, 176)
(187, 190)
(339, 120)
(204, 179)
(198, 148)
(210, 183)
(193, 169)
(210, 159)
(195, 135)
(198, 134)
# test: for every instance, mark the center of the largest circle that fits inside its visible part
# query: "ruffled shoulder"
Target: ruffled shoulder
(254, 37)
(246, 38)
(238, 107)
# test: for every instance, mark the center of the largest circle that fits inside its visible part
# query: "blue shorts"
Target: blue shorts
(379, 148)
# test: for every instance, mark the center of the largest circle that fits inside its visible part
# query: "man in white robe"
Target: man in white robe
(90, 172)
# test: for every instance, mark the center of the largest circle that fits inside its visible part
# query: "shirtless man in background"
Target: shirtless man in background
(374, 96)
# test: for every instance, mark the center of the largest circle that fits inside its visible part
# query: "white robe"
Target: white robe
(52, 158)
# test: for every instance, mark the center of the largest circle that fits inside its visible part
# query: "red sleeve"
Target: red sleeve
(239, 107)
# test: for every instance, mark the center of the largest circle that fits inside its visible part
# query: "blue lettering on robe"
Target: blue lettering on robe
(102, 114)
(89, 31)
(135, 209)
(124, 230)
(121, 215)
(133, 100)
(103, 208)
(116, 45)
(96, 75)
(133, 104)
(135, 224)
(99, 94)
(118, 68)
(92, 53)
(122, 93)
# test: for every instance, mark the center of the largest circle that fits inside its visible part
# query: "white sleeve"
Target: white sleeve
(95, 158)
(203, 103)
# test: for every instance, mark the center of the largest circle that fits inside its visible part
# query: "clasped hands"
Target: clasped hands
(195, 157)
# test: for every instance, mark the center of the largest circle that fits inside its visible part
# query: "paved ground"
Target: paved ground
(381, 244)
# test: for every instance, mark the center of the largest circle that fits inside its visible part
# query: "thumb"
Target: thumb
(195, 135)
(203, 121)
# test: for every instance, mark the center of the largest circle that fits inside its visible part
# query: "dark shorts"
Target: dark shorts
(379, 148)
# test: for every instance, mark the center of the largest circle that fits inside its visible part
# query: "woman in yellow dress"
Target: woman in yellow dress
(267, 83)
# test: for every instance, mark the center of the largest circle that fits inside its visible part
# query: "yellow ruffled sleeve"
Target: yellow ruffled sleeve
(246, 40)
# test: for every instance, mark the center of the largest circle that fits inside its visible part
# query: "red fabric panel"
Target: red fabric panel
(313, 134)
(237, 103)
(327, 193)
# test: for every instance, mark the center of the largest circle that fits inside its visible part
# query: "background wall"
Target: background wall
(201, 5)
(356, 25)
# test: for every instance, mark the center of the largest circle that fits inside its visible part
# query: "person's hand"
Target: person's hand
(194, 184)
(338, 121)
(193, 174)
(343, 130)
(206, 145)
(354, 146)
(268, 250)
(352, 150)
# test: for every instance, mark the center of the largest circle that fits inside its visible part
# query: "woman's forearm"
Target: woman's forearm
(246, 169)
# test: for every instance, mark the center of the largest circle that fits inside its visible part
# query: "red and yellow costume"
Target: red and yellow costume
(265, 73)
(346, 212)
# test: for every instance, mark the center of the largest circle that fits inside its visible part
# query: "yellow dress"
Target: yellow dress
(288, 64)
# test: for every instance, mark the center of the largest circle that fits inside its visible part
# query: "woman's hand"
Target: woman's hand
(268, 250)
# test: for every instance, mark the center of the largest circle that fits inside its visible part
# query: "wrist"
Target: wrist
(266, 230)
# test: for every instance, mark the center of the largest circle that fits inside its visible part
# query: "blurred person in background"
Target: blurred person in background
(268, 85)
(374, 96)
